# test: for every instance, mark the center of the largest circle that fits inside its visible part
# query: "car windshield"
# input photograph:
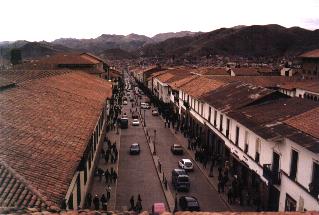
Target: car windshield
(188, 164)
(177, 147)
(134, 146)
(192, 204)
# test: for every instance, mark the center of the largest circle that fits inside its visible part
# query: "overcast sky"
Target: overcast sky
(36, 20)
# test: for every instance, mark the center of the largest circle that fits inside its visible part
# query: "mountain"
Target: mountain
(246, 41)
(130, 42)
(164, 36)
(39, 49)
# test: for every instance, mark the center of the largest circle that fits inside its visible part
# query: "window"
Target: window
(202, 107)
(293, 164)
(246, 141)
(290, 204)
(314, 185)
(258, 145)
(237, 135)
(215, 117)
(85, 171)
(227, 127)
(221, 122)
(198, 106)
(209, 113)
(78, 189)
(70, 201)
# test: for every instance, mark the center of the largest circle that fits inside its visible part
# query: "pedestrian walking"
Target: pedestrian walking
(139, 198)
(108, 192)
(114, 176)
(103, 199)
(211, 170)
(132, 203)
(107, 176)
(96, 202)
(138, 206)
(100, 173)
(230, 195)
(88, 200)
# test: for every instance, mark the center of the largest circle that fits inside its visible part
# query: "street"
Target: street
(137, 173)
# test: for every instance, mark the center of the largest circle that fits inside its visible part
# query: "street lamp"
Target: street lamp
(144, 118)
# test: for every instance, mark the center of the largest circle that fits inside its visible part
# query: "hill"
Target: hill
(246, 41)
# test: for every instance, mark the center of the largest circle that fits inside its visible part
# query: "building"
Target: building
(265, 134)
(79, 61)
(51, 127)
(310, 63)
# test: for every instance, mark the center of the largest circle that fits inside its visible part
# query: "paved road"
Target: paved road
(200, 188)
(137, 174)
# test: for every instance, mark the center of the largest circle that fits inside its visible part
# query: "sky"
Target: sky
(36, 20)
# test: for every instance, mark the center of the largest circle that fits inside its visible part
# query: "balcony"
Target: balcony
(273, 177)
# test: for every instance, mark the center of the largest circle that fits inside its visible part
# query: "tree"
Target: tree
(16, 56)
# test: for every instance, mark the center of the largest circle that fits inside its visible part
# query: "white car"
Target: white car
(124, 102)
(135, 122)
(186, 164)
(145, 105)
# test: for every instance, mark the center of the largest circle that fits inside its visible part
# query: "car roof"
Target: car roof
(186, 160)
(190, 198)
(135, 144)
(176, 144)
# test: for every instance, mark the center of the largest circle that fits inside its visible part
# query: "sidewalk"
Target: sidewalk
(212, 180)
(99, 187)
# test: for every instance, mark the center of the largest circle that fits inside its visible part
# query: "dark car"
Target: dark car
(135, 149)
(189, 203)
(177, 149)
(180, 180)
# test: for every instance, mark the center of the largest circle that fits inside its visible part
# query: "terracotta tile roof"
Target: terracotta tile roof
(307, 122)
(69, 58)
(212, 71)
(178, 83)
(45, 126)
(201, 85)
(19, 76)
(266, 118)
(16, 193)
(246, 71)
(309, 85)
(234, 95)
(310, 54)
(173, 74)
(263, 81)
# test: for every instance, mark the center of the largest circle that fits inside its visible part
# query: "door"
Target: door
(275, 162)
(273, 198)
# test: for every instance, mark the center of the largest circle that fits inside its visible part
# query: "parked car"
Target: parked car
(189, 203)
(177, 149)
(125, 102)
(180, 180)
(155, 112)
(135, 149)
(186, 164)
(135, 122)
